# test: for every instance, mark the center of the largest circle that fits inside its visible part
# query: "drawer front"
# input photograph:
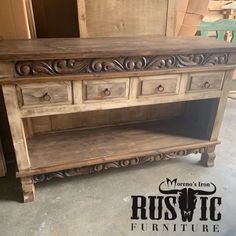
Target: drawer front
(105, 89)
(44, 93)
(159, 85)
(206, 81)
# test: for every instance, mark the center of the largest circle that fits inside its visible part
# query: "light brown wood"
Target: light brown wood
(91, 106)
(44, 94)
(28, 189)
(109, 18)
(14, 20)
(16, 126)
(105, 118)
(222, 104)
(30, 19)
(105, 89)
(159, 85)
(190, 14)
(82, 19)
(83, 147)
(206, 81)
(42, 124)
(171, 18)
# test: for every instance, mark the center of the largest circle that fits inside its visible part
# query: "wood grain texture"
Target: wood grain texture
(119, 64)
(48, 151)
(141, 101)
(109, 47)
(206, 81)
(16, 126)
(117, 164)
(159, 85)
(14, 20)
(103, 118)
(28, 189)
(221, 106)
(113, 18)
(105, 89)
(44, 93)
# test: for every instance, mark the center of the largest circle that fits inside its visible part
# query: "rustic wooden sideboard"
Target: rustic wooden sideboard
(134, 100)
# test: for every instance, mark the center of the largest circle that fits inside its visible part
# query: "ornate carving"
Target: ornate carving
(139, 63)
(116, 164)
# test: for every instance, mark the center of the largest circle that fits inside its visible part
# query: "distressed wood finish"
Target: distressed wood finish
(159, 85)
(112, 18)
(44, 94)
(206, 81)
(105, 89)
(116, 164)
(46, 49)
(78, 106)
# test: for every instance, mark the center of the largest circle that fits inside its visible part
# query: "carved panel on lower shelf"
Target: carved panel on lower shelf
(116, 164)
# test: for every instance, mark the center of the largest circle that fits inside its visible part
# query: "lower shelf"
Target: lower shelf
(78, 148)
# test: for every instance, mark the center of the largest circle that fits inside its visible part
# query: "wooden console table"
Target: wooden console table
(139, 100)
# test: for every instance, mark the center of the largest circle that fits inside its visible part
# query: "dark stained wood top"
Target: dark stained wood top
(13, 50)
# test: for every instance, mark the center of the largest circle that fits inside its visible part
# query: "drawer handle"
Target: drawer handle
(46, 97)
(107, 92)
(206, 85)
(160, 88)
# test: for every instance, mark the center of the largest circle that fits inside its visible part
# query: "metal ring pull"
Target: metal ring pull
(160, 88)
(46, 97)
(206, 85)
(107, 92)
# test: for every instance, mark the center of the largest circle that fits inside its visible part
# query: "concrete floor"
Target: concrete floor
(101, 205)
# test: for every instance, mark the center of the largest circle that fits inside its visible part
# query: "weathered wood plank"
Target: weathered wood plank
(109, 47)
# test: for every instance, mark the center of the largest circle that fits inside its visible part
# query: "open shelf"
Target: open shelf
(81, 147)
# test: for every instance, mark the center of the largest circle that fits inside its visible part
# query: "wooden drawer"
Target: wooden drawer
(106, 89)
(159, 85)
(50, 93)
(206, 81)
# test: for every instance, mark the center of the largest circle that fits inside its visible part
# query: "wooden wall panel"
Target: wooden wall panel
(14, 22)
(110, 18)
(104, 117)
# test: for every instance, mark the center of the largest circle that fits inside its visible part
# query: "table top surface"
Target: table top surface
(13, 50)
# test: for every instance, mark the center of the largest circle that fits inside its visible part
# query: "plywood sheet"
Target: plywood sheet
(122, 18)
(14, 19)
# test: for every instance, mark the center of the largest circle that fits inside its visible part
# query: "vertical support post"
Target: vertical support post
(19, 139)
(171, 18)
(28, 189)
(221, 105)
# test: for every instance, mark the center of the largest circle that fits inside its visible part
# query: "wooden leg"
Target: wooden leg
(28, 189)
(208, 157)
